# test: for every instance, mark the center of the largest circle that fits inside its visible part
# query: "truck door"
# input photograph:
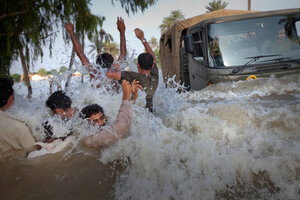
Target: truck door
(197, 70)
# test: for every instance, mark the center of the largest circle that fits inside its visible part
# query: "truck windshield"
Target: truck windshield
(232, 43)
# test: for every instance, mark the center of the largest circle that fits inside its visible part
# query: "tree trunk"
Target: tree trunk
(70, 67)
(25, 71)
(101, 42)
(98, 47)
(249, 4)
(82, 42)
(50, 86)
(81, 78)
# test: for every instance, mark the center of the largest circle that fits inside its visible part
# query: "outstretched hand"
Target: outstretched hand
(69, 27)
(139, 33)
(127, 90)
(130, 89)
(136, 86)
(121, 25)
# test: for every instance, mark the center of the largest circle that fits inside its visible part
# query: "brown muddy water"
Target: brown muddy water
(56, 177)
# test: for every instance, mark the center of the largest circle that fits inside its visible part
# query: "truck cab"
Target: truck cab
(237, 46)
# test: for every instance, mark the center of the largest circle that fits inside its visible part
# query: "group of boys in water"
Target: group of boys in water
(145, 79)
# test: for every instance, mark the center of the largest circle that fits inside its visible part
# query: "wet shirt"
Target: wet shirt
(48, 130)
(14, 134)
(149, 83)
(119, 129)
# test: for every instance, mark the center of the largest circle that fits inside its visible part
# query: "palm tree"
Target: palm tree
(216, 5)
(155, 47)
(153, 43)
(112, 48)
(97, 45)
(94, 47)
(107, 38)
(176, 15)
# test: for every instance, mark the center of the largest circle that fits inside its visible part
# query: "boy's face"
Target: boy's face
(98, 119)
(281, 35)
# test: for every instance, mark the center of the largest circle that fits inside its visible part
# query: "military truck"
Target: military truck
(230, 45)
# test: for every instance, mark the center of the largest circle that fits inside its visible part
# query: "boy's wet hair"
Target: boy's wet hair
(145, 61)
(6, 90)
(60, 100)
(90, 110)
(105, 60)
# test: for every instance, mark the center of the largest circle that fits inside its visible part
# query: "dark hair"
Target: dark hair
(145, 60)
(60, 100)
(90, 110)
(105, 60)
(6, 90)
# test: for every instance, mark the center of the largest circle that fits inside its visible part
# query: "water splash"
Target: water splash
(235, 140)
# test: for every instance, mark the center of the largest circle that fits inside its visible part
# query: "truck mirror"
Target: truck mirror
(189, 44)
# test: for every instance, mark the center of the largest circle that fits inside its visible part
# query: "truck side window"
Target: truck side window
(297, 24)
(215, 56)
(198, 53)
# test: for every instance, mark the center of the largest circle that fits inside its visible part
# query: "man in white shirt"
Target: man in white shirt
(14, 134)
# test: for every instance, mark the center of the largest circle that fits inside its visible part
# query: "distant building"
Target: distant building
(35, 77)
(77, 73)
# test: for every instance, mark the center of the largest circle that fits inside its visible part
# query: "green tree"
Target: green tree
(16, 77)
(103, 35)
(176, 15)
(157, 55)
(112, 48)
(135, 5)
(53, 71)
(49, 72)
(62, 69)
(27, 26)
(42, 72)
(216, 5)
(153, 43)
(97, 41)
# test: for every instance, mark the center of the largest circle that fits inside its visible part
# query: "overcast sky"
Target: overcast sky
(148, 21)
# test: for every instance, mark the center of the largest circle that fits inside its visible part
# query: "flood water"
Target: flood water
(235, 140)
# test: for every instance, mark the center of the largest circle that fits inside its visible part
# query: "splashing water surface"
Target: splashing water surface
(235, 140)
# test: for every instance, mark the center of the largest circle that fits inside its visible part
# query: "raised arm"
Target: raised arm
(115, 75)
(77, 47)
(140, 35)
(121, 28)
